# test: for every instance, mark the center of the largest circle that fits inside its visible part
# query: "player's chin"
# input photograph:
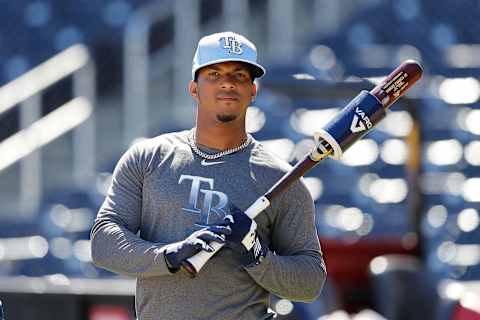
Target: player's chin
(226, 117)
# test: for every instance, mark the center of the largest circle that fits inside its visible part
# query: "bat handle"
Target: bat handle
(193, 264)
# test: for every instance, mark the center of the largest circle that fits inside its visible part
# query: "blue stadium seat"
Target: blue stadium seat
(429, 27)
(451, 237)
(402, 279)
(70, 267)
(70, 213)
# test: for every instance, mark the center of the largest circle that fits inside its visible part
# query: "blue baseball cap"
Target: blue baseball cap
(223, 47)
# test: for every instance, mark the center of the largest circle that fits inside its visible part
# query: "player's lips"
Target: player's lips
(227, 97)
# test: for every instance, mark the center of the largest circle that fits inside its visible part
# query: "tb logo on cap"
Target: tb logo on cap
(232, 44)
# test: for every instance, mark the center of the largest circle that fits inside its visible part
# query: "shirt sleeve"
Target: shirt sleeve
(115, 244)
(294, 268)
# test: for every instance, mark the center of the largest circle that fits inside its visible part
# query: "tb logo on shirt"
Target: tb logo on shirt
(212, 209)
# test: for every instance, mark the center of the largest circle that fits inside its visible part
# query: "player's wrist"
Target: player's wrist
(256, 254)
(171, 265)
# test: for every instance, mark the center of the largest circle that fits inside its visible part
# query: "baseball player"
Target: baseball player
(173, 195)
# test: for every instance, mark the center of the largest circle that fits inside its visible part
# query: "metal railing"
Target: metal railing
(137, 57)
(281, 36)
(176, 58)
(36, 131)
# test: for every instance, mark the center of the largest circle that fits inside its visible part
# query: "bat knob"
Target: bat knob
(189, 269)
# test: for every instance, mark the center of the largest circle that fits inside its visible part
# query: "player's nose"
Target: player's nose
(228, 82)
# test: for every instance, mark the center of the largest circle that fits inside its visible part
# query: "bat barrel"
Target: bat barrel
(367, 109)
(397, 83)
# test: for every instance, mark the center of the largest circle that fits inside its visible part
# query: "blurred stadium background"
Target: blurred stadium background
(398, 216)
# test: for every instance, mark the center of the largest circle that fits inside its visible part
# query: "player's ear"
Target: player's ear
(254, 91)
(193, 89)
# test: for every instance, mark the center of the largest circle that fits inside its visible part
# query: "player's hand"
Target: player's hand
(178, 252)
(243, 237)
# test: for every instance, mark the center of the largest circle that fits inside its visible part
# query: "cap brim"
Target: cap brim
(258, 70)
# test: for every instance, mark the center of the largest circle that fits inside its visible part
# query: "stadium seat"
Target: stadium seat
(69, 213)
(401, 288)
(327, 302)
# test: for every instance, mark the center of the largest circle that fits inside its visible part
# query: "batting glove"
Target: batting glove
(243, 237)
(178, 252)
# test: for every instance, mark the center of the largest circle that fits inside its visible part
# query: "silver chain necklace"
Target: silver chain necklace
(191, 142)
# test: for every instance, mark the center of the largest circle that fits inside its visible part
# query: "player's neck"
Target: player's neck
(220, 137)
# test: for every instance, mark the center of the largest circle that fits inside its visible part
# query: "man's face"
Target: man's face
(223, 91)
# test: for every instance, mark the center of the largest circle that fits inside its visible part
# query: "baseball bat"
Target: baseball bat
(354, 121)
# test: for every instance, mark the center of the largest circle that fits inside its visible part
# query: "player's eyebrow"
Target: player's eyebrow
(238, 68)
(212, 67)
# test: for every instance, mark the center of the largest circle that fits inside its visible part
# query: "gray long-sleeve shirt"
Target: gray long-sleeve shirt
(161, 192)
